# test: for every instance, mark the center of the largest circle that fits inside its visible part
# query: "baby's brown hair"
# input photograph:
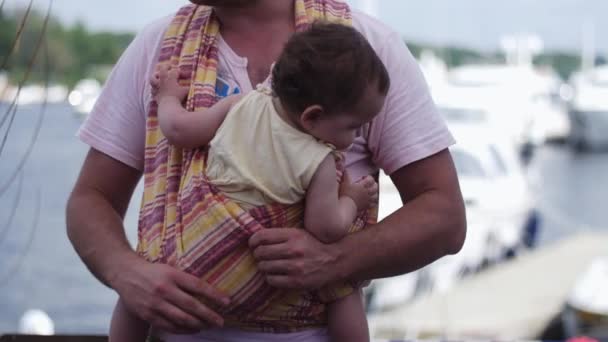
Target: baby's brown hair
(330, 65)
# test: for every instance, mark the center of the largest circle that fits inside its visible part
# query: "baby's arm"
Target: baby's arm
(331, 208)
(183, 128)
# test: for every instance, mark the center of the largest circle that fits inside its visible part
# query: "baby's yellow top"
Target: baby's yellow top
(257, 158)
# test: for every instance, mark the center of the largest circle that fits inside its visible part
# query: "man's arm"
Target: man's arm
(159, 294)
(95, 213)
(431, 224)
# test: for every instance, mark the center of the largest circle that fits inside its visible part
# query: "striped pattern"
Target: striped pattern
(187, 223)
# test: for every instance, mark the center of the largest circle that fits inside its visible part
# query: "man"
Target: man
(408, 141)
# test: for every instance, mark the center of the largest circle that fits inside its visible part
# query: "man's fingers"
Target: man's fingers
(277, 267)
(177, 319)
(281, 281)
(272, 252)
(197, 287)
(195, 308)
(161, 324)
(270, 237)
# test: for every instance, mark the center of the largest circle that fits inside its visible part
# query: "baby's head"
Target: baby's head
(331, 82)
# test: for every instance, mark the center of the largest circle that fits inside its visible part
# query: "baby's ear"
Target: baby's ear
(311, 116)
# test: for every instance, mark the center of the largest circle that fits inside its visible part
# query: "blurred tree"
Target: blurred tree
(454, 56)
(8, 29)
(563, 63)
(74, 52)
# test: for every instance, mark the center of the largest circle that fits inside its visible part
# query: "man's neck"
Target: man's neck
(260, 13)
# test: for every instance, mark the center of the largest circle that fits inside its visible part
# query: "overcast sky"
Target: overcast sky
(471, 23)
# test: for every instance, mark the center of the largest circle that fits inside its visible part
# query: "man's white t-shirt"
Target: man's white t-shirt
(409, 127)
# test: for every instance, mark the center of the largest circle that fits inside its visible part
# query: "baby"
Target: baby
(281, 145)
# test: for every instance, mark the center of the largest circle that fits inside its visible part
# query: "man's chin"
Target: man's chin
(223, 3)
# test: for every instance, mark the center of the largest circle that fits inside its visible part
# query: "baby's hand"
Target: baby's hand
(364, 192)
(165, 83)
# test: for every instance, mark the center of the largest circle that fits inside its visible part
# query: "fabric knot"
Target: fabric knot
(264, 89)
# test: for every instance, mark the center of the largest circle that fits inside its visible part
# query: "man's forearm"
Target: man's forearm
(96, 231)
(425, 229)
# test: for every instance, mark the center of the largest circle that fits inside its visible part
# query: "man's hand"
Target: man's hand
(163, 296)
(169, 299)
(291, 258)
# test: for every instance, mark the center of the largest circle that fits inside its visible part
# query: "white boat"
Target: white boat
(36, 322)
(57, 93)
(27, 95)
(499, 208)
(34, 94)
(525, 102)
(495, 189)
(3, 84)
(84, 96)
(386, 293)
(589, 109)
(586, 312)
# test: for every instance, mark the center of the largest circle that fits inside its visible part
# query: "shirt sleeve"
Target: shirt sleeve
(116, 125)
(409, 128)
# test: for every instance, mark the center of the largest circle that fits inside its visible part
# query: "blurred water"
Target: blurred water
(570, 189)
(51, 277)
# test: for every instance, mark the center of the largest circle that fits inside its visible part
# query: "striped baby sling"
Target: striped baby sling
(187, 223)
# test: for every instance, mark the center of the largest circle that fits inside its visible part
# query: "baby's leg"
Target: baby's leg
(347, 321)
(126, 327)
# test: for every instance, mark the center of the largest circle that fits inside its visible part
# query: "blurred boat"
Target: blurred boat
(57, 93)
(386, 293)
(3, 84)
(36, 322)
(35, 94)
(589, 109)
(526, 103)
(586, 312)
(498, 200)
(500, 212)
(84, 96)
